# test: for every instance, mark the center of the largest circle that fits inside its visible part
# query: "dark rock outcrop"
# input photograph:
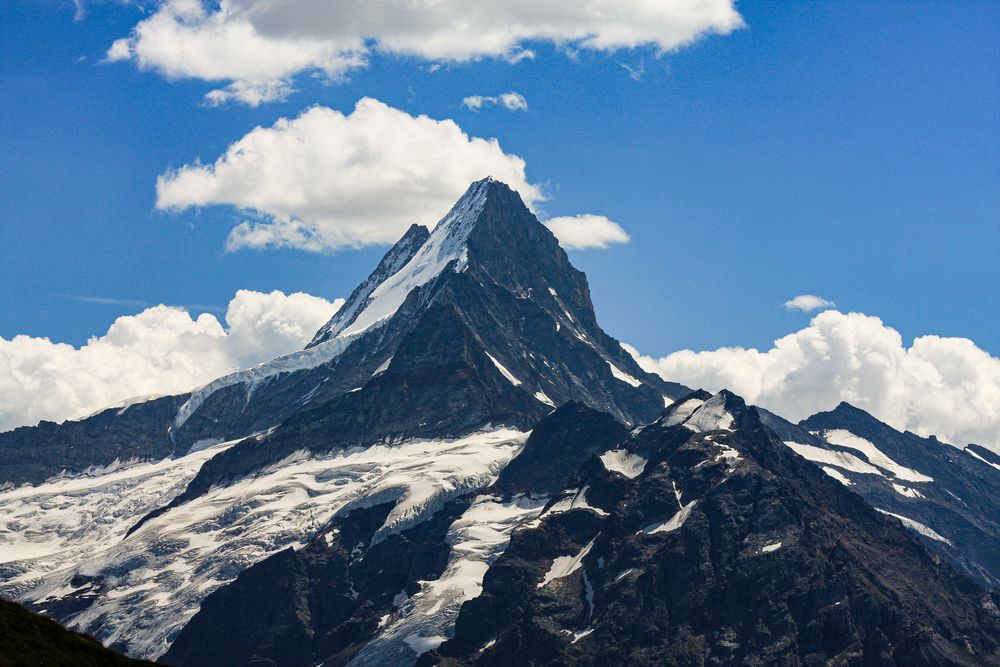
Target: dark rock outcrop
(727, 549)
(137, 432)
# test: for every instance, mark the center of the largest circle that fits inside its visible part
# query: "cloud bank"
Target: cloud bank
(580, 232)
(808, 302)
(161, 350)
(511, 101)
(257, 47)
(326, 180)
(942, 386)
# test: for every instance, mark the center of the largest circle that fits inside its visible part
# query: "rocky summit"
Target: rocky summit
(463, 468)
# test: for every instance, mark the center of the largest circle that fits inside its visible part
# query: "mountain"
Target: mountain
(28, 639)
(947, 496)
(457, 344)
(699, 539)
(463, 467)
(702, 539)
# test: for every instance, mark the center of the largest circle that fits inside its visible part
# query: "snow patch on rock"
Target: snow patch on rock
(563, 566)
(711, 416)
(623, 376)
(918, 527)
(503, 370)
(624, 462)
(830, 457)
(683, 411)
(844, 438)
(671, 524)
(477, 538)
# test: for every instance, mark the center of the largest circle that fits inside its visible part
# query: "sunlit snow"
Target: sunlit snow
(623, 376)
(156, 578)
(503, 370)
(476, 538)
(847, 439)
(710, 416)
(918, 527)
(624, 462)
(673, 523)
(563, 566)
(832, 457)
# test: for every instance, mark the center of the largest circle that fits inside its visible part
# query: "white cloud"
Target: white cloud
(161, 350)
(512, 101)
(942, 386)
(256, 47)
(327, 180)
(808, 302)
(580, 232)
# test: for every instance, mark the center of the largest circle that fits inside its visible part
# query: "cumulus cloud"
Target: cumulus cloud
(512, 101)
(808, 302)
(161, 350)
(256, 47)
(580, 232)
(327, 180)
(943, 386)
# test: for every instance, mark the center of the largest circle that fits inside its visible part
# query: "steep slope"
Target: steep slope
(28, 639)
(947, 496)
(397, 257)
(716, 544)
(493, 274)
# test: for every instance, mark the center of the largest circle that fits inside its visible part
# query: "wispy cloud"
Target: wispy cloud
(580, 232)
(139, 303)
(105, 300)
(512, 101)
(636, 72)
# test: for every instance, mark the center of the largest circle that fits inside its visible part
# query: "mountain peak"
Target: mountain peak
(490, 218)
(844, 415)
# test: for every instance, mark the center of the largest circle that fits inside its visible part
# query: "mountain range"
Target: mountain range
(462, 467)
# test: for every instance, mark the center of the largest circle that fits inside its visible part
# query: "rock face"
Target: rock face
(723, 548)
(462, 467)
(135, 432)
(947, 496)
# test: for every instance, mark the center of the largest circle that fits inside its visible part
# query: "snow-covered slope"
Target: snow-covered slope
(64, 539)
(938, 491)
(445, 245)
(426, 619)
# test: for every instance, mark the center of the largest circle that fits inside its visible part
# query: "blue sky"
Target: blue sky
(850, 150)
